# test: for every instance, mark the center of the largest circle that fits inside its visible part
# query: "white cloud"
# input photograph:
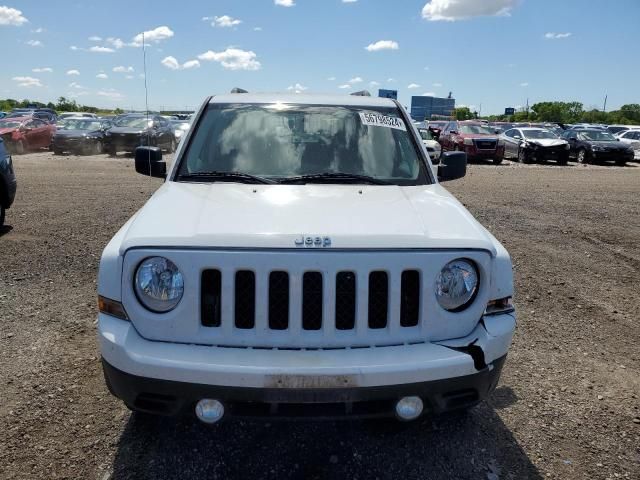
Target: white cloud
(102, 75)
(356, 80)
(34, 43)
(115, 42)
(38, 30)
(130, 77)
(27, 81)
(349, 1)
(332, 79)
(346, 85)
(373, 83)
(436, 85)
(257, 29)
(173, 64)
(413, 85)
(555, 36)
(122, 69)
(524, 84)
(95, 38)
(428, 94)
(298, 88)
(74, 48)
(11, 16)
(232, 59)
(77, 86)
(285, 3)
(426, 68)
(382, 45)
(42, 70)
(156, 35)
(98, 49)
(391, 80)
(224, 21)
(110, 93)
(452, 10)
(73, 72)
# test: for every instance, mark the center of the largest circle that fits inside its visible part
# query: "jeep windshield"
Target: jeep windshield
(292, 143)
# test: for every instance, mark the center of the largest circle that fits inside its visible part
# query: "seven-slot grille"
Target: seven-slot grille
(312, 300)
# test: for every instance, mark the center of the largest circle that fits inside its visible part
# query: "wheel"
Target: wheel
(621, 163)
(522, 156)
(172, 145)
(57, 151)
(112, 152)
(1, 215)
(98, 148)
(582, 156)
(497, 160)
(563, 160)
(19, 147)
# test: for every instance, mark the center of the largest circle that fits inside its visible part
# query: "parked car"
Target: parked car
(284, 245)
(80, 136)
(25, 133)
(3, 114)
(63, 115)
(436, 127)
(45, 114)
(132, 131)
(8, 182)
(632, 138)
(593, 146)
(535, 144)
(478, 141)
(433, 147)
(180, 128)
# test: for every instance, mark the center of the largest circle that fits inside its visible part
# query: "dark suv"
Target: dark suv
(132, 131)
(7, 181)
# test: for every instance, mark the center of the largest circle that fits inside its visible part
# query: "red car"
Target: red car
(26, 133)
(477, 140)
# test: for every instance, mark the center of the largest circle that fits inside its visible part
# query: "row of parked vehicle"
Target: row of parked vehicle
(526, 142)
(84, 133)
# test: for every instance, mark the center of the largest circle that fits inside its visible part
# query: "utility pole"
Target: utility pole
(604, 108)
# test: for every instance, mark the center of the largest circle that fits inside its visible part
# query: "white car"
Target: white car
(431, 144)
(632, 138)
(301, 258)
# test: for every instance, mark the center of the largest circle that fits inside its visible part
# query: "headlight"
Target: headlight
(468, 141)
(457, 285)
(158, 284)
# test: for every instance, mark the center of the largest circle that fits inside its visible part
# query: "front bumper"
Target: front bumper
(477, 153)
(168, 378)
(611, 156)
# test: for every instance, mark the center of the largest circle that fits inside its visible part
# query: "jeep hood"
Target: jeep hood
(227, 215)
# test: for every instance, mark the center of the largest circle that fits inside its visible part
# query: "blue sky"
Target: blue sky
(494, 53)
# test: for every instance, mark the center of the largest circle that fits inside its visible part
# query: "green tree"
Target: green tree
(463, 113)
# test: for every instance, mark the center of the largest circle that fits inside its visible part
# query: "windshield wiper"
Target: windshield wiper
(224, 177)
(334, 177)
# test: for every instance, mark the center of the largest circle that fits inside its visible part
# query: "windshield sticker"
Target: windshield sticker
(379, 120)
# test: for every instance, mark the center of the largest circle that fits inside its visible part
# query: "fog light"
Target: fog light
(409, 408)
(209, 410)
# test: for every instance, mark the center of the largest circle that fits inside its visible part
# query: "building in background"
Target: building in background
(423, 107)
(388, 93)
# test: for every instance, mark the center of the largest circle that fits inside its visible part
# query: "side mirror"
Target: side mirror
(453, 165)
(149, 162)
(517, 137)
(453, 132)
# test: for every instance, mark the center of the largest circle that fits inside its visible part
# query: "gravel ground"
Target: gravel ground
(567, 406)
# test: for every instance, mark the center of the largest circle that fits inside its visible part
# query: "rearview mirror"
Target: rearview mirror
(453, 165)
(149, 162)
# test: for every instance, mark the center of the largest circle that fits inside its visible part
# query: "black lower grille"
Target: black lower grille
(210, 296)
(312, 301)
(278, 300)
(245, 299)
(378, 299)
(345, 301)
(485, 144)
(410, 298)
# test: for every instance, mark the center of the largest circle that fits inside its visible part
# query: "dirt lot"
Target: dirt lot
(568, 405)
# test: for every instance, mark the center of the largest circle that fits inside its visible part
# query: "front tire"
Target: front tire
(581, 156)
(112, 152)
(522, 156)
(19, 147)
(98, 148)
(2, 214)
(497, 160)
(172, 145)
(621, 163)
(57, 151)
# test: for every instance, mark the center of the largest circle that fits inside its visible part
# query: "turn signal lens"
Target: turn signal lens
(111, 307)
(502, 305)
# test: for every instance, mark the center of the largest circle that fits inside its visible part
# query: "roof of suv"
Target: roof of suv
(303, 99)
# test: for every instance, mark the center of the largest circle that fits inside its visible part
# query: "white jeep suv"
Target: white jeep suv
(301, 258)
